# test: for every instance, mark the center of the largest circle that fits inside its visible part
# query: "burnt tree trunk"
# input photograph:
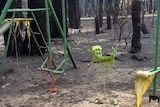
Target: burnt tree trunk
(97, 25)
(128, 7)
(74, 14)
(57, 4)
(2, 4)
(150, 6)
(143, 25)
(115, 11)
(21, 46)
(41, 19)
(86, 8)
(101, 13)
(108, 9)
(99, 17)
(13, 46)
(136, 22)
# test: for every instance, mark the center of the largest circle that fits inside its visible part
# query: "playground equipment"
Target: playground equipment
(48, 61)
(145, 78)
(97, 54)
(106, 65)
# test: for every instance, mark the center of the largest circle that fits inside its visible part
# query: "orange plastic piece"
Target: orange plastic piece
(53, 89)
(39, 69)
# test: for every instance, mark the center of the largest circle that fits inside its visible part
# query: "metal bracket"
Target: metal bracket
(152, 97)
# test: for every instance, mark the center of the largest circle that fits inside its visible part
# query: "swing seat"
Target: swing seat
(143, 81)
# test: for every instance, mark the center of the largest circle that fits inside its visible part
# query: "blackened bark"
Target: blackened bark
(115, 11)
(108, 9)
(15, 4)
(143, 25)
(109, 25)
(97, 25)
(58, 9)
(22, 45)
(99, 17)
(128, 7)
(40, 16)
(41, 19)
(2, 4)
(150, 6)
(101, 12)
(12, 45)
(136, 10)
(144, 28)
(74, 14)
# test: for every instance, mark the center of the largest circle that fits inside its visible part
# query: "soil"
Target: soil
(22, 85)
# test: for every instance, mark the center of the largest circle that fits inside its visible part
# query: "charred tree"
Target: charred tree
(143, 25)
(150, 6)
(101, 13)
(74, 14)
(99, 17)
(128, 7)
(86, 8)
(136, 22)
(14, 47)
(57, 4)
(2, 4)
(41, 19)
(97, 25)
(115, 11)
(18, 44)
(108, 9)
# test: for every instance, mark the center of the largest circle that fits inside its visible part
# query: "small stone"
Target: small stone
(45, 96)
(8, 105)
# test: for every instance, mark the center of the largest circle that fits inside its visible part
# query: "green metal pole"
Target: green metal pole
(48, 28)
(156, 48)
(60, 30)
(26, 10)
(64, 32)
(5, 10)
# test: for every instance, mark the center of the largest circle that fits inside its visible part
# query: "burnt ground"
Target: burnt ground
(23, 85)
